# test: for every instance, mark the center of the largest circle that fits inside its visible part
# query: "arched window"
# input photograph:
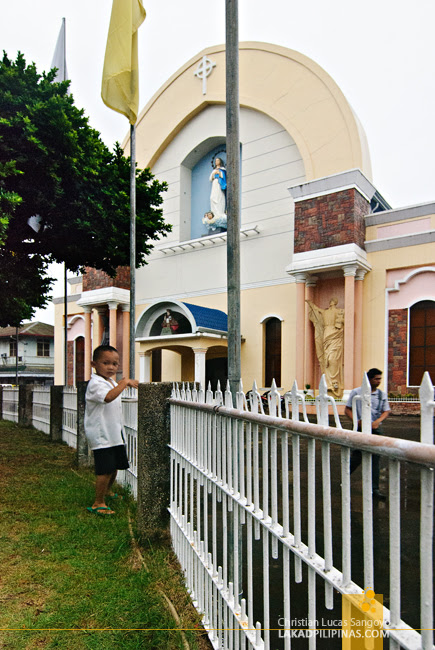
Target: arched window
(421, 341)
(80, 359)
(272, 348)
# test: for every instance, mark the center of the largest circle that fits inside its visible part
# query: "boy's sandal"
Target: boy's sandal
(114, 496)
(102, 511)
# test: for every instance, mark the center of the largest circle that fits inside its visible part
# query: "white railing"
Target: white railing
(10, 404)
(41, 408)
(129, 412)
(69, 416)
(243, 501)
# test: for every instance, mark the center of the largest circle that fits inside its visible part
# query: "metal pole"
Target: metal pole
(16, 356)
(132, 245)
(233, 194)
(65, 340)
(233, 240)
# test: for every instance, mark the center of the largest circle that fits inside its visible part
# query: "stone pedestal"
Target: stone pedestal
(25, 405)
(84, 456)
(153, 468)
(56, 405)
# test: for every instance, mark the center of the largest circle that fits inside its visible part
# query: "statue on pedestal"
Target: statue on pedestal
(329, 339)
(218, 179)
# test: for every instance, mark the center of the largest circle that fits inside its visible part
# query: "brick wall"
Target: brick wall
(330, 220)
(97, 279)
(397, 350)
(70, 362)
(405, 408)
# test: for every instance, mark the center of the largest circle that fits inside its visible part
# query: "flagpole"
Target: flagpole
(65, 339)
(120, 92)
(233, 194)
(233, 249)
(132, 246)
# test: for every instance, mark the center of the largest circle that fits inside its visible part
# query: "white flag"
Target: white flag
(59, 58)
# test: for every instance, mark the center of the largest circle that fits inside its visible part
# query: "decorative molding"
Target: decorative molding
(350, 270)
(328, 259)
(401, 241)
(413, 273)
(400, 214)
(311, 281)
(204, 242)
(98, 297)
(351, 179)
(269, 316)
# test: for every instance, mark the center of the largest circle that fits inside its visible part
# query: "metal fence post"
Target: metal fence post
(153, 458)
(25, 405)
(83, 454)
(56, 409)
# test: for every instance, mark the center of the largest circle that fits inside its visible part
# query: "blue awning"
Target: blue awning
(213, 319)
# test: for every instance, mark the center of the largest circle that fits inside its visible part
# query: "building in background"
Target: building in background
(27, 354)
(313, 227)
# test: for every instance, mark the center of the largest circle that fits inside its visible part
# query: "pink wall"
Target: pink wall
(76, 329)
(420, 286)
(407, 228)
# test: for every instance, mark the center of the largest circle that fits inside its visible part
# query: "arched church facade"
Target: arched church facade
(313, 226)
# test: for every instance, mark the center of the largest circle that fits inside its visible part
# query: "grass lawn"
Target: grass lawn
(71, 579)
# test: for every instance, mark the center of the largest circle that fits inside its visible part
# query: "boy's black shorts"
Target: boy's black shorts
(110, 459)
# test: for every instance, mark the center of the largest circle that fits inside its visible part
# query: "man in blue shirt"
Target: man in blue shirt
(380, 411)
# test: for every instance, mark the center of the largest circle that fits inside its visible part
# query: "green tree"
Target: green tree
(55, 167)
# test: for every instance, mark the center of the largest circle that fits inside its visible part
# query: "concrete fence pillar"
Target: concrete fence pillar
(56, 408)
(153, 460)
(25, 405)
(84, 456)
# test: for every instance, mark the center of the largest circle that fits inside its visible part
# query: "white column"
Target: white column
(144, 367)
(113, 310)
(200, 365)
(126, 340)
(88, 342)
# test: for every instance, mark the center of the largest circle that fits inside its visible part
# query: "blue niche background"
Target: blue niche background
(201, 188)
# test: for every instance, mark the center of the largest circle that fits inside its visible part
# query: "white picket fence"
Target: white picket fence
(69, 416)
(237, 486)
(10, 404)
(237, 483)
(129, 411)
(41, 408)
(41, 421)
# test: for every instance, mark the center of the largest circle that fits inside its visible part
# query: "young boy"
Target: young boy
(103, 423)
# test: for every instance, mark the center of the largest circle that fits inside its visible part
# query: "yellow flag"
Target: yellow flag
(120, 87)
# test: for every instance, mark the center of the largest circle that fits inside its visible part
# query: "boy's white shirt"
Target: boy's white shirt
(103, 420)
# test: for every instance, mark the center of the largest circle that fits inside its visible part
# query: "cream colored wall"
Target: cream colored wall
(281, 83)
(171, 366)
(256, 304)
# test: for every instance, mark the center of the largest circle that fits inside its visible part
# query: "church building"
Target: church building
(317, 241)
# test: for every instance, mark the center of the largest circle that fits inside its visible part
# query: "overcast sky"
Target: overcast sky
(380, 53)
